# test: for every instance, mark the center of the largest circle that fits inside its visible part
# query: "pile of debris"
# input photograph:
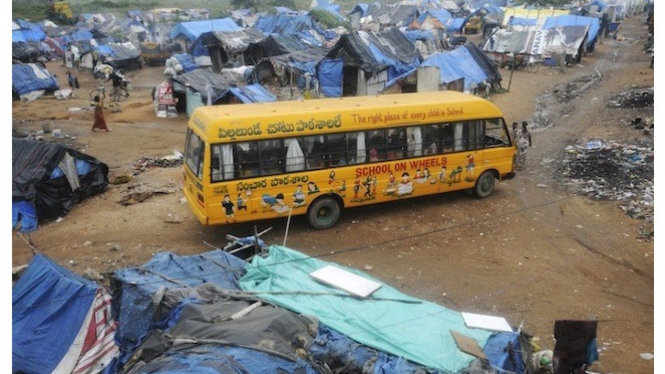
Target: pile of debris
(145, 163)
(634, 98)
(612, 171)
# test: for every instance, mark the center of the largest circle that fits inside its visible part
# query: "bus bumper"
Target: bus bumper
(508, 176)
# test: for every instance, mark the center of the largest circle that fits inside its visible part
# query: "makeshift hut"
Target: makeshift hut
(186, 33)
(49, 179)
(275, 45)
(361, 63)
(253, 311)
(225, 48)
(61, 322)
(291, 69)
(31, 81)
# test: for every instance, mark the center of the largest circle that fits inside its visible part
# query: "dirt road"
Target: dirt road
(533, 252)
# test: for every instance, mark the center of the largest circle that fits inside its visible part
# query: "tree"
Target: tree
(244, 4)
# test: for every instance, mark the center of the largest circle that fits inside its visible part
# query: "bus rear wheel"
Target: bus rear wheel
(484, 185)
(323, 213)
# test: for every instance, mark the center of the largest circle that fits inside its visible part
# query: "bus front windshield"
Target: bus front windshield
(194, 152)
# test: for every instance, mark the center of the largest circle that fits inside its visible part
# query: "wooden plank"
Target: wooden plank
(468, 345)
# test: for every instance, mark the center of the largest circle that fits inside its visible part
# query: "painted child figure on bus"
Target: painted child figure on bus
(470, 166)
(356, 189)
(275, 203)
(405, 186)
(299, 197)
(229, 208)
(391, 187)
(242, 203)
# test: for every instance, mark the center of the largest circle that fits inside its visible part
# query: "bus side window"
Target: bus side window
(336, 146)
(448, 135)
(355, 142)
(377, 145)
(496, 133)
(396, 144)
(247, 156)
(271, 157)
(314, 152)
(431, 139)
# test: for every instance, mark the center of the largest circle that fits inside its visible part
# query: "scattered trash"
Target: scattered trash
(613, 171)
(92, 275)
(57, 133)
(541, 186)
(368, 267)
(646, 356)
(121, 179)
(74, 109)
(634, 98)
(145, 163)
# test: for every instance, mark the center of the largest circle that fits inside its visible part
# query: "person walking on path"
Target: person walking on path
(523, 143)
(100, 122)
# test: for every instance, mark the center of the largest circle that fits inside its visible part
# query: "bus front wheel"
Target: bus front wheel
(484, 184)
(323, 213)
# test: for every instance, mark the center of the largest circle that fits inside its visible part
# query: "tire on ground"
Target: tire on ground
(323, 213)
(484, 184)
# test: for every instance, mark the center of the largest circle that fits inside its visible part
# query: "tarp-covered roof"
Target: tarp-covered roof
(284, 24)
(27, 35)
(198, 80)
(137, 285)
(440, 15)
(253, 93)
(233, 42)
(32, 77)
(568, 20)
(38, 176)
(399, 328)
(193, 29)
(374, 52)
(52, 312)
(531, 13)
(463, 62)
(403, 15)
(509, 41)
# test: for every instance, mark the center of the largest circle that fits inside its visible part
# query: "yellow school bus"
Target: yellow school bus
(248, 162)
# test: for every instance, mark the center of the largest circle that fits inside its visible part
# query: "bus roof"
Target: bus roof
(240, 122)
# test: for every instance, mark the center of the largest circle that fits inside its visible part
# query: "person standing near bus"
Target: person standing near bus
(523, 143)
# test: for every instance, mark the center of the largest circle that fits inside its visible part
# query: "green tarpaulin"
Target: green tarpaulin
(417, 330)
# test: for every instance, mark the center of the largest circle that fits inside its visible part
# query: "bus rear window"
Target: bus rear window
(194, 151)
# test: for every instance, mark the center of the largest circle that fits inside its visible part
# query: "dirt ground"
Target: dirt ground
(533, 252)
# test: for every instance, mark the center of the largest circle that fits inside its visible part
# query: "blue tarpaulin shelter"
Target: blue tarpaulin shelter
(192, 30)
(27, 35)
(32, 77)
(592, 22)
(59, 321)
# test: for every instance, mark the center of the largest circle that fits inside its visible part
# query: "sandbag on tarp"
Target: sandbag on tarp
(60, 322)
(27, 78)
(135, 287)
(53, 177)
(392, 322)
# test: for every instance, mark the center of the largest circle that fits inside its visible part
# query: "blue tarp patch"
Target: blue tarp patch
(456, 64)
(46, 298)
(194, 29)
(25, 215)
(32, 77)
(253, 93)
(27, 35)
(330, 77)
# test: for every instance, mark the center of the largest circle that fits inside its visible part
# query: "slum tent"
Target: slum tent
(49, 179)
(61, 322)
(120, 55)
(369, 61)
(32, 80)
(186, 33)
(225, 306)
(275, 45)
(526, 13)
(465, 62)
(286, 24)
(225, 47)
(211, 86)
(292, 69)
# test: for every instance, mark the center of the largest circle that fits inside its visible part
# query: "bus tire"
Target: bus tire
(323, 213)
(484, 185)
